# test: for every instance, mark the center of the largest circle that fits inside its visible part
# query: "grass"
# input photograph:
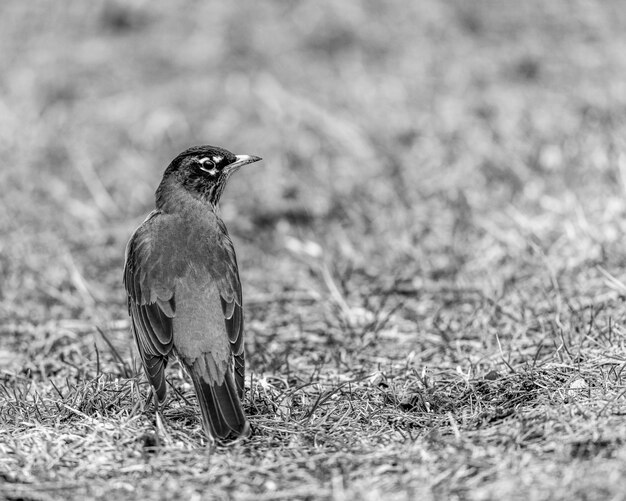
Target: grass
(432, 251)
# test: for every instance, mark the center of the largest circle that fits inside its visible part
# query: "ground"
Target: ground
(431, 252)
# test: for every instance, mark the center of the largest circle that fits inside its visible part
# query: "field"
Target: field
(432, 251)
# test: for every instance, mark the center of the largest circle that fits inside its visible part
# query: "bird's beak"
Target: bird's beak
(243, 160)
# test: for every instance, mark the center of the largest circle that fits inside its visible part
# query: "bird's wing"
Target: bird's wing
(149, 282)
(229, 287)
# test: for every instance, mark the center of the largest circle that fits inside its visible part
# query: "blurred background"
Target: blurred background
(406, 146)
(432, 251)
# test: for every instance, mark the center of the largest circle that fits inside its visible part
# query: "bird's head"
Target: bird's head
(203, 171)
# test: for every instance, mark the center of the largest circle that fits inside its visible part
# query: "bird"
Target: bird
(184, 293)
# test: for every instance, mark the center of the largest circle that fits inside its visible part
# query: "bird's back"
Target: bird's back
(187, 258)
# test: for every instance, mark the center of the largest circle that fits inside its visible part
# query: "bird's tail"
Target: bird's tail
(222, 413)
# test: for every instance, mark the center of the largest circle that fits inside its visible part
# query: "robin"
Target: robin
(184, 292)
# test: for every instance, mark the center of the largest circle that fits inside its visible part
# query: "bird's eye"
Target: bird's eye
(206, 162)
(207, 165)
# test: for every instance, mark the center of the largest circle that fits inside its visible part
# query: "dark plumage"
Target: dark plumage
(184, 293)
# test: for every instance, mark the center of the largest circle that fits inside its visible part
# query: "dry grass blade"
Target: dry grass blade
(122, 363)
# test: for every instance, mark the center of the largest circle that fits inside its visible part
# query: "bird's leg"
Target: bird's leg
(161, 429)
